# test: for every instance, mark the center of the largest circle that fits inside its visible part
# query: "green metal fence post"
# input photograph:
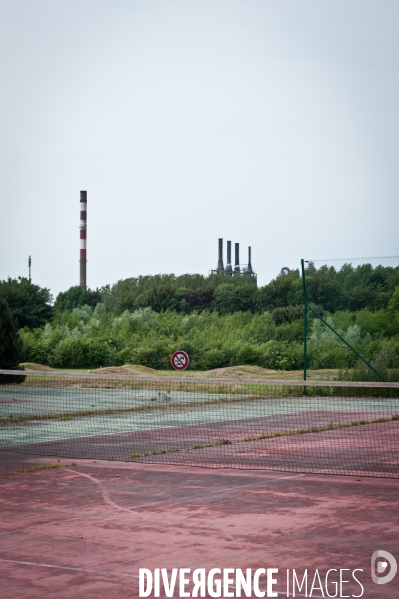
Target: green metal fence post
(305, 323)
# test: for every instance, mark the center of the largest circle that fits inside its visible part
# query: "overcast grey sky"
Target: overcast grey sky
(269, 122)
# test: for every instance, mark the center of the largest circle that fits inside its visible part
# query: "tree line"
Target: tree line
(221, 320)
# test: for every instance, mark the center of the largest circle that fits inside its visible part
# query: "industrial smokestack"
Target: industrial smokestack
(83, 239)
(237, 257)
(228, 268)
(248, 270)
(220, 256)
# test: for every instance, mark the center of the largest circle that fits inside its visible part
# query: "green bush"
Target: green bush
(38, 351)
(246, 354)
(158, 355)
(287, 314)
(80, 352)
(280, 356)
(214, 358)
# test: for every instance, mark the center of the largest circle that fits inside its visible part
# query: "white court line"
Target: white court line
(14, 561)
(136, 507)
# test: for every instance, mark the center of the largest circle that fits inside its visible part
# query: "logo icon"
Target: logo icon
(379, 564)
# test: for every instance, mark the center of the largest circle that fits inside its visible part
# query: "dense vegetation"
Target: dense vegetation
(10, 343)
(219, 320)
(91, 338)
(30, 304)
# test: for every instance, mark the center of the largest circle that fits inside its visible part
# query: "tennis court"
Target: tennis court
(326, 427)
(155, 474)
(85, 530)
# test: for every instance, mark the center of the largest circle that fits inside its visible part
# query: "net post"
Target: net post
(305, 324)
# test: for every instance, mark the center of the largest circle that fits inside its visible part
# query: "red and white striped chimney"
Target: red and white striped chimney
(83, 239)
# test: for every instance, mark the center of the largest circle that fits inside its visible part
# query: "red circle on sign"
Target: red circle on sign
(180, 360)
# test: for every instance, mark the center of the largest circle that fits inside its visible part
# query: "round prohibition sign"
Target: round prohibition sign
(180, 360)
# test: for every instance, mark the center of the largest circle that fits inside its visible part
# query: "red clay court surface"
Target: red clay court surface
(84, 531)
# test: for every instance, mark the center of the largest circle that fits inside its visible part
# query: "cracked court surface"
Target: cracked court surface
(85, 530)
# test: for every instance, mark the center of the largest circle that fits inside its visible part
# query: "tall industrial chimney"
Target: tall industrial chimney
(228, 263)
(83, 239)
(237, 257)
(220, 256)
(248, 270)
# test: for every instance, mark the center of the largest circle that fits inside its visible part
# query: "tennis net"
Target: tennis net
(328, 427)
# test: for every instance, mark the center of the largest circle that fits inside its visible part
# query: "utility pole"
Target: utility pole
(29, 265)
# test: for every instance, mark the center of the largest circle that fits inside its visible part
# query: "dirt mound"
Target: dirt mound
(238, 372)
(139, 368)
(257, 372)
(33, 366)
(126, 369)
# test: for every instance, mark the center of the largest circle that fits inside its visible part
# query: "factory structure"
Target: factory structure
(238, 269)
